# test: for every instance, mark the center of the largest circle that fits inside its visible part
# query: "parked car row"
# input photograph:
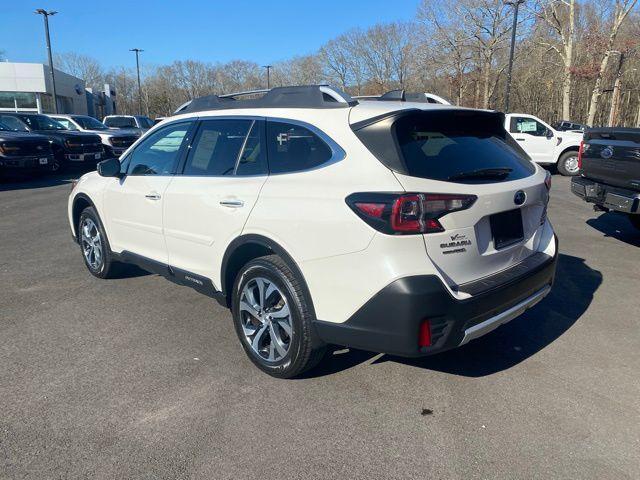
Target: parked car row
(35, 143)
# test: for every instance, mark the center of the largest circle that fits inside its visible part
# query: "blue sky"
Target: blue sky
(169, 30)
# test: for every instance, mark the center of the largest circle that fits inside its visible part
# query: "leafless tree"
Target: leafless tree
(621, 10)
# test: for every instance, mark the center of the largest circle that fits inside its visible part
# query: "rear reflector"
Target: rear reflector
(424, 337)
(409, 213)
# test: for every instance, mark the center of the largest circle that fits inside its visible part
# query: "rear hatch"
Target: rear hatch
(612, 156)
(466, 153)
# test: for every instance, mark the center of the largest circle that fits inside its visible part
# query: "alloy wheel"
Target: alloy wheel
(91, 243)
(266, 319)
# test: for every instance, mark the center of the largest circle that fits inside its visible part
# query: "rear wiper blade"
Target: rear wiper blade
(498, 172)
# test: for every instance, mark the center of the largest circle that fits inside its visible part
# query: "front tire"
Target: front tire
(273, 318)
(94, 245)
(635, 220)
(568, 164)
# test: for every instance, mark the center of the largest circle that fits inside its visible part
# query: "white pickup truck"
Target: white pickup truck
(544, 144)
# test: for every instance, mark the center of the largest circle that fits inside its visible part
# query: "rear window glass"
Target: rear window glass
(120, 122)
(293, 148)
(455, 146)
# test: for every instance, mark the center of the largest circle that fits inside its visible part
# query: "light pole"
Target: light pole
(515, 4)
(46, 14)
(138, 50)
(268, 67)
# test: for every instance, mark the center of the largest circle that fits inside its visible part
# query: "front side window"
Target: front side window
(293, 148)
(13, 123)
(159, 152)
(68, 124)
(42, 122)
(90, 123)
(216, 147)
(527, 125)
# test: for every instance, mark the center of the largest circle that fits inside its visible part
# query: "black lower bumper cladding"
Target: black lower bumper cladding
(390, 321)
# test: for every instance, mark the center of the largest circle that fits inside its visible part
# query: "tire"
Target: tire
(101, 263)
(284, 346)
(635, 220)
(568, 164)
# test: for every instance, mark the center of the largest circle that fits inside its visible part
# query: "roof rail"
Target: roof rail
(303, 96)
(403, 96)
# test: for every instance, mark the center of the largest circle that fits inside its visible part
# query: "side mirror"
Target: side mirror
(549, 134)
(109, 168)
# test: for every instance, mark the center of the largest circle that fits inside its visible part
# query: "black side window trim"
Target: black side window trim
(181, 151)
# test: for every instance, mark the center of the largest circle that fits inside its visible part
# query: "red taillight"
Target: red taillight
(424, 336)
(371, 209)
(580, 152)
(408, 213)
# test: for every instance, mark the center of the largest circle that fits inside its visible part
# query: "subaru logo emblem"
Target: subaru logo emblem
(519, 198)
(607, 152)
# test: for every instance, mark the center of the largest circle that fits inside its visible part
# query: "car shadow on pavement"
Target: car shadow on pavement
(24, 183)
(523, 337)
(617, 226)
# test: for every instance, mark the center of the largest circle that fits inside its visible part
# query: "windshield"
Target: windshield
(145, 122)
(42, 122)
(90, 123)
(450, 145)
(13, 124)
(120, 122)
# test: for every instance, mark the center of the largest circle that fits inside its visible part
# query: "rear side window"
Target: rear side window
(293, 148)
(217, 146)
(446, 145)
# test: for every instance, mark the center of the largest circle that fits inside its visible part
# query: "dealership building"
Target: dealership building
(27, 87)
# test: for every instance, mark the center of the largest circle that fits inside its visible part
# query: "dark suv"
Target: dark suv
(23, 152)
(69, 148)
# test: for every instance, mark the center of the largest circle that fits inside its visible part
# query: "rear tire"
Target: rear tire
(274, 319)
(94, 245)
(568, 164)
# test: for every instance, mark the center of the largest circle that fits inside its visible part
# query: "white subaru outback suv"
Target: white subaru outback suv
(391, 226)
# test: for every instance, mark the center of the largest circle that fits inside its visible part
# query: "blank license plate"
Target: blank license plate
(506, 228)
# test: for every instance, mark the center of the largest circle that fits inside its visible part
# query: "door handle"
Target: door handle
(520, 139)
(152, 196)
(232, 203)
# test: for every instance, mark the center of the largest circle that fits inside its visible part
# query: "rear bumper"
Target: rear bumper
(390, 321)
(613, 198)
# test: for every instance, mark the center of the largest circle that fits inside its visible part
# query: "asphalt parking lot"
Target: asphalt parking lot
(140, 378)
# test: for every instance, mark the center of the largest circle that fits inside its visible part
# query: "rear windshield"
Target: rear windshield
(454, 146)
(120, 122)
